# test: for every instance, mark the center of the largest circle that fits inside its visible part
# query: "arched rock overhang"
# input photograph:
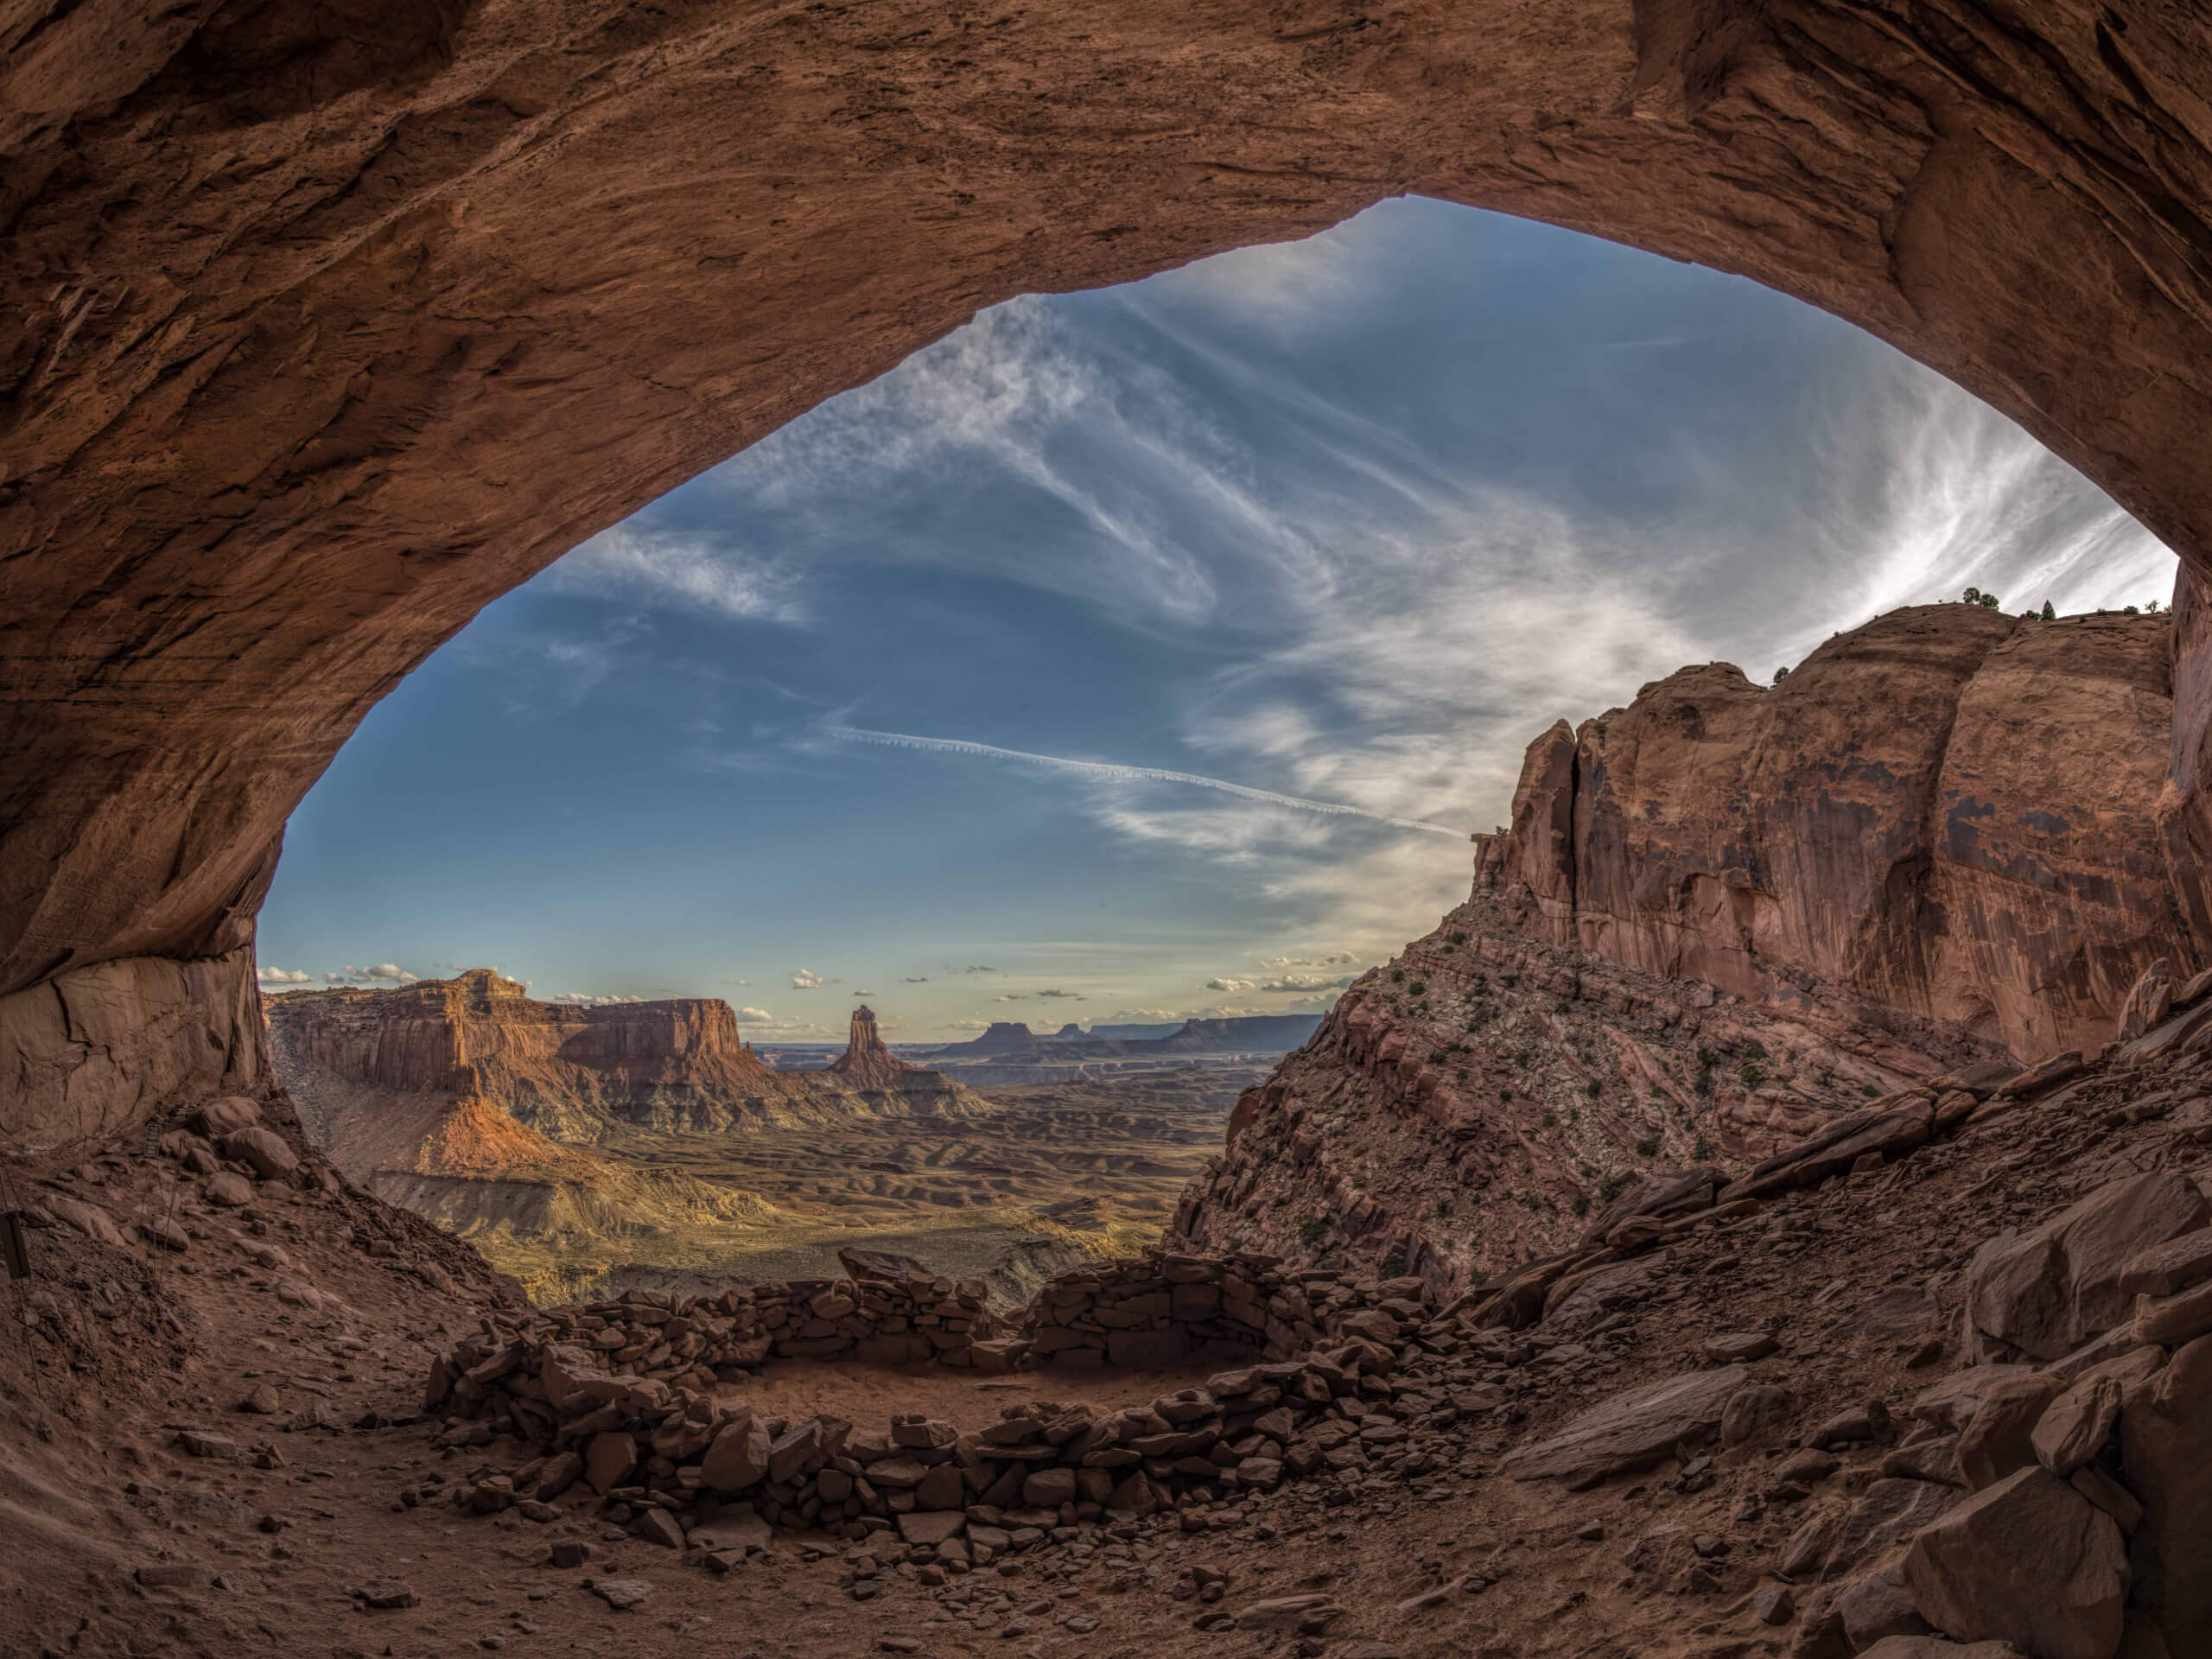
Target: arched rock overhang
(328, 322)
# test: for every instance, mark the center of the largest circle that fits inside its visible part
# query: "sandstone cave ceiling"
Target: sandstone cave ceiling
(309, 367)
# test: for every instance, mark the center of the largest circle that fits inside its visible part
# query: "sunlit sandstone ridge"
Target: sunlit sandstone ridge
(577, 1073)
(1726, 915)
(1948, 814)
(538, 1129)
(326, 323)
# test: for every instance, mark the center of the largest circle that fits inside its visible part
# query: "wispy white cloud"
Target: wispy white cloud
(280, 976)
(678, 568)
(1113, 771)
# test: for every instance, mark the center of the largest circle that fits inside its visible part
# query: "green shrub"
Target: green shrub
(1311, 1229)
(1419, 988)
(1610, 1188)
(1551, 1119)
(1594, 1088)
(1581, 1204)
(1750, 1073)
(1649, 1146)
(1397, 975)
(1703, 1150)
(1459, 937)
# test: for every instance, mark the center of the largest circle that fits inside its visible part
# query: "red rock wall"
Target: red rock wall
(451, 1036)
(91, 1052)
(326, 324)
(321, 333)
(1950, 812)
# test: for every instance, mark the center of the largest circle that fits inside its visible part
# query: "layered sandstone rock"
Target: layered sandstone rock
(868, 1062)
(514, 1122)
(576, 1072)
(1948, 813)
(1725, 917)
(325, 327)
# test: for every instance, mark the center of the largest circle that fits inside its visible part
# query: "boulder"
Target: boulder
(1935, 1646)
(1631, 1430)
(90, 1219)
(269, 1154)
(2044, 1292)
(737, 1458)
(2075, 1426)
(2149, 1000)
(1952, 1403)
(1837, 1148)
(2181, 1317)
(1877, 1605)
(609, 1459)
(886, 1266)
(2165, 1437)
(2029, 1562)
(1890, 1512)
(930, 1527)
(2171, 1267)
(1756, 1414)
(217, 1118)
(228, 1189)
(1999, 1438)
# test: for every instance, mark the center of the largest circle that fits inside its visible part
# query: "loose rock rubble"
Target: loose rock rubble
(1999, 1502)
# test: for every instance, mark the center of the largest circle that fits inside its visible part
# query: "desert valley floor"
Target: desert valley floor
(1009, 1196)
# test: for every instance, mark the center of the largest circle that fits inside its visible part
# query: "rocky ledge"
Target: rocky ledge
(2044, 1494)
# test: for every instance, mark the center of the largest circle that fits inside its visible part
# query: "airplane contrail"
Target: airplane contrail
(1144, 774)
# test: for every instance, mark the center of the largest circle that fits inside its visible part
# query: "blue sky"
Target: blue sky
(1344, 522)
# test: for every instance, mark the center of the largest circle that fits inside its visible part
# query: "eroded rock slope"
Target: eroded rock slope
(1725, 914)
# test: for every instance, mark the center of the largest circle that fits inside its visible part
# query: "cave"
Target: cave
(320, 345)
(332, 323)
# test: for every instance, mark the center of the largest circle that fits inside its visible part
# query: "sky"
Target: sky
(1150, 652)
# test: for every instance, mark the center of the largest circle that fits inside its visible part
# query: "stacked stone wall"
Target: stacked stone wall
(698, 1341)
(1160, 1310)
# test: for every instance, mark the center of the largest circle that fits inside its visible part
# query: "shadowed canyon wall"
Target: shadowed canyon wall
(326, 324)
(1948, 813)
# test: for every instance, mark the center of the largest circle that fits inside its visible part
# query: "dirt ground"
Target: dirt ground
(113, 1357)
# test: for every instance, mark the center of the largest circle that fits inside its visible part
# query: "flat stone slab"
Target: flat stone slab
(1631, 1430)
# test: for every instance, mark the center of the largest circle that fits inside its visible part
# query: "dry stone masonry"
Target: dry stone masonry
(618, 1396)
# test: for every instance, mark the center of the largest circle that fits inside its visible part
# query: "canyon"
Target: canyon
(1726, 915)
(329, 324)
(644, 1145)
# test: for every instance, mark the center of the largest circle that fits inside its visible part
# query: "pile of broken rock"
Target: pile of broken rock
(891, 1311)
(2054, 1493)
(1163, 1308)
(681, 1468)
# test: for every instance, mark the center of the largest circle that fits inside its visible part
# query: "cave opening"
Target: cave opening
(1137, 657)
